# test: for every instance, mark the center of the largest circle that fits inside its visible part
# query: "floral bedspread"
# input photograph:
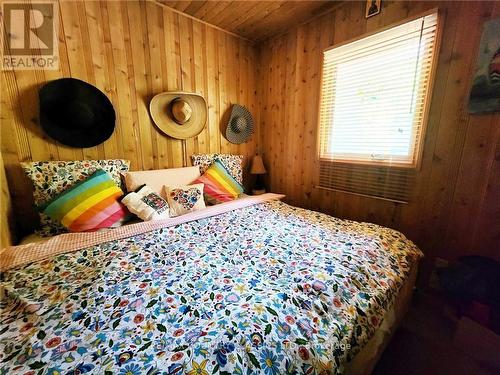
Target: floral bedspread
(268, 289)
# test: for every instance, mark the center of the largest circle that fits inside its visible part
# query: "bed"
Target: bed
(249, 286)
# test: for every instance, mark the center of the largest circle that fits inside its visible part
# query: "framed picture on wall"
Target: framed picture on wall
(373, 7)
(485, 91)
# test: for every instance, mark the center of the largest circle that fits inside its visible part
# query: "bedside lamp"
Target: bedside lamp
(259, 170)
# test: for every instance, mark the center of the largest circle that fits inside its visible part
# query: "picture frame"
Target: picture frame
(373, 8)
(485, 91)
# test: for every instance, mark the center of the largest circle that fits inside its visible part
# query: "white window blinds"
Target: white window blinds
(374, 100)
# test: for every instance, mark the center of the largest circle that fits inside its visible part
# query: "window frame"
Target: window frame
(417, 160)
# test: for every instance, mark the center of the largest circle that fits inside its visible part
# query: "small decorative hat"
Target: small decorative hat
(75, 113)
(240, 126)
(180, 115)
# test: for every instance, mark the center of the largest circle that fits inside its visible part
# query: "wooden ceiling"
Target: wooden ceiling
(253, 20)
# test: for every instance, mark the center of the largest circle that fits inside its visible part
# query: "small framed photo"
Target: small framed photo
(485, 91)
(373, 7)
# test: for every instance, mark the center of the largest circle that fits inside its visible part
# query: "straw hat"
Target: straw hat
(240, 126)
(180, 115)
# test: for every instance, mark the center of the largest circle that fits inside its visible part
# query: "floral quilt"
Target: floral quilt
(268, 289)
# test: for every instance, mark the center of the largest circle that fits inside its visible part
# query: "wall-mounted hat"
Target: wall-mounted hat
(180, 115)
(76, 113)
(240, 126)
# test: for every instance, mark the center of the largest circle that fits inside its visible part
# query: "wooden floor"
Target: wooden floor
(423, 345)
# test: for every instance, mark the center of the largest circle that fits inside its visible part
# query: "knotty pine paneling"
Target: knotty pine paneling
(254, 20)
(456, 210)
(130, 50)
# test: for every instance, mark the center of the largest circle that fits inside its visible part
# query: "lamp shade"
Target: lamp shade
(257, 165)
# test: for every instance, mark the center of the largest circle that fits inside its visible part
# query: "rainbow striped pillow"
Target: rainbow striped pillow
(88, 205)
(220, 186)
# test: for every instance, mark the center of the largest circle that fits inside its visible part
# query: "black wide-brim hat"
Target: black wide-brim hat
(76, 113)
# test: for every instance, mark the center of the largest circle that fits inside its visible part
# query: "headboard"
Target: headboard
(6, 223)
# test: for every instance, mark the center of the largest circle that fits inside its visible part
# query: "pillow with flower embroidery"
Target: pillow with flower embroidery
(184, 199)
(146, 204)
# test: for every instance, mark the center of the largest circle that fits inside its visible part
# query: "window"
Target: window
(374, 100)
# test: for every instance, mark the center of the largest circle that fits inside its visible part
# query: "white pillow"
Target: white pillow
(184, 199)
(146, 204)
(155, 179)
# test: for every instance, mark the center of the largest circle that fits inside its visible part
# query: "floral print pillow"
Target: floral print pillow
(233, 163)
(50, 178)
(184, 199)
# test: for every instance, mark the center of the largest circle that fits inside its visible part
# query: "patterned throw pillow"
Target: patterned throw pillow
(146, 204)
(184, 199)
(50, 178)
(220, 186)
(89, 205)
(233, 163)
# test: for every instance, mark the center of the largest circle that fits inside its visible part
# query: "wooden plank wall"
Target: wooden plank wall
(130, 51)
(456, 210)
